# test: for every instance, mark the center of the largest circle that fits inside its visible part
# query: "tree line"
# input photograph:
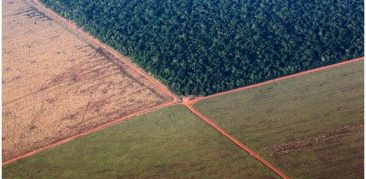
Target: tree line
(200, 47)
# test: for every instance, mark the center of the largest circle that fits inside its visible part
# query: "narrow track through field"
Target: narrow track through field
(234, 140)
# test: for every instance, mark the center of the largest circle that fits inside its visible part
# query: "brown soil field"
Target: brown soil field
(57, 84)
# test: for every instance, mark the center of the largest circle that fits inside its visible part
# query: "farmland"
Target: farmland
(309, 126)
(167, 143)
(57, 84)
(62, 85)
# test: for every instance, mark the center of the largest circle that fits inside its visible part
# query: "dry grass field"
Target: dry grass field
(310, 126)
(56, 84)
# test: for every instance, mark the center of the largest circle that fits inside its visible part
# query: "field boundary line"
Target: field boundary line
(188, 104)
(90, 131)
(197, 99)
(128, 63)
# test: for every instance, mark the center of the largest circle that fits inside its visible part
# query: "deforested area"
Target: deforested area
(203, 47)
(56, 84)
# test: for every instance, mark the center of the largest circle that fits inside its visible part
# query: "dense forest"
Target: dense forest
(199, 47)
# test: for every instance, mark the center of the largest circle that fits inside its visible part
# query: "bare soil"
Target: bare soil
(57, 84)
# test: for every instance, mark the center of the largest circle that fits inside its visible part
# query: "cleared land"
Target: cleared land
(56, 84)
(309, 126)
(168, 143)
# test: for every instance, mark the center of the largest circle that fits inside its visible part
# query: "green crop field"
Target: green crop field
(309, 126)
(168, 143)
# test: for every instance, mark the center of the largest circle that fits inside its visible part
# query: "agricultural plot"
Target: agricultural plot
(167, 143)
(56, 84)
(309, 126)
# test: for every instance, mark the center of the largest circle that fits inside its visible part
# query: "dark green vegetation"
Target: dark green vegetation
(168, 143)
(203, 47)
(309, 126)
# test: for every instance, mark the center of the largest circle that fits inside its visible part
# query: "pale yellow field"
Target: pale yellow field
(55, 84)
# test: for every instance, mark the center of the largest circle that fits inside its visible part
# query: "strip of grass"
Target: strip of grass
(167, 143)
(309, 126)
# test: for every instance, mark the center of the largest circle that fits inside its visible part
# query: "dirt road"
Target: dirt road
(189, 104)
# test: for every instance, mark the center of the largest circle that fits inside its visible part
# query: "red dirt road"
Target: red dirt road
(188, 104)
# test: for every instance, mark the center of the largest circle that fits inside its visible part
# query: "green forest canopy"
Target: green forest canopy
(200, 47)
